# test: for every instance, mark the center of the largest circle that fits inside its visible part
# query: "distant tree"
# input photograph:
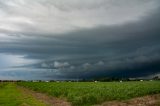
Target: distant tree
(156, 78)
(108, 79)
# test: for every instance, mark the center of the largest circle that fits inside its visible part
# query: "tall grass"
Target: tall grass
(11, 96)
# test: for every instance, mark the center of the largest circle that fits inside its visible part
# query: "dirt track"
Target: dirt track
(151, 100)
(48, 100)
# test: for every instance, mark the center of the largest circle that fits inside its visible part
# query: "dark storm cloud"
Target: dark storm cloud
(129, 48)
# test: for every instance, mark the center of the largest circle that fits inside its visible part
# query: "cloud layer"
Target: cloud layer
(53, 39)
(51, 16)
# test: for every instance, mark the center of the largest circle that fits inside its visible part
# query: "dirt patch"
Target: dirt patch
(48, 100)
(150, 100)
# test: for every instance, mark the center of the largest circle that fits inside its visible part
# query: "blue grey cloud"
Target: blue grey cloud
(46, 39)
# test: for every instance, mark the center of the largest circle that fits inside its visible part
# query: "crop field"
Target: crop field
(90, 93)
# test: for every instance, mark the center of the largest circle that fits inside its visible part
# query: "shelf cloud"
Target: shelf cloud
(50, 39)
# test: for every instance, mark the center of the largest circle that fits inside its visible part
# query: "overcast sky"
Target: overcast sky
(70, 39)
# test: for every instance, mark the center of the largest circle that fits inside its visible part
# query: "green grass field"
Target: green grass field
(10, 95)
(89, 93)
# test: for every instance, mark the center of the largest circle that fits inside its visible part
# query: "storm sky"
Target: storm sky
(70, 39)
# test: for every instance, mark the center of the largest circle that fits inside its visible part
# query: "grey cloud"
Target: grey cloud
(61, 64)
(38, 16)
(100, 63)
(87, 47)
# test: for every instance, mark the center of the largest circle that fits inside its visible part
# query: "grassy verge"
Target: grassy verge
(89, 93)
(11, 96)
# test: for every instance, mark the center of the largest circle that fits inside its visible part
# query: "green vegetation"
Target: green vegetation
(89, 93)
(10, 95)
